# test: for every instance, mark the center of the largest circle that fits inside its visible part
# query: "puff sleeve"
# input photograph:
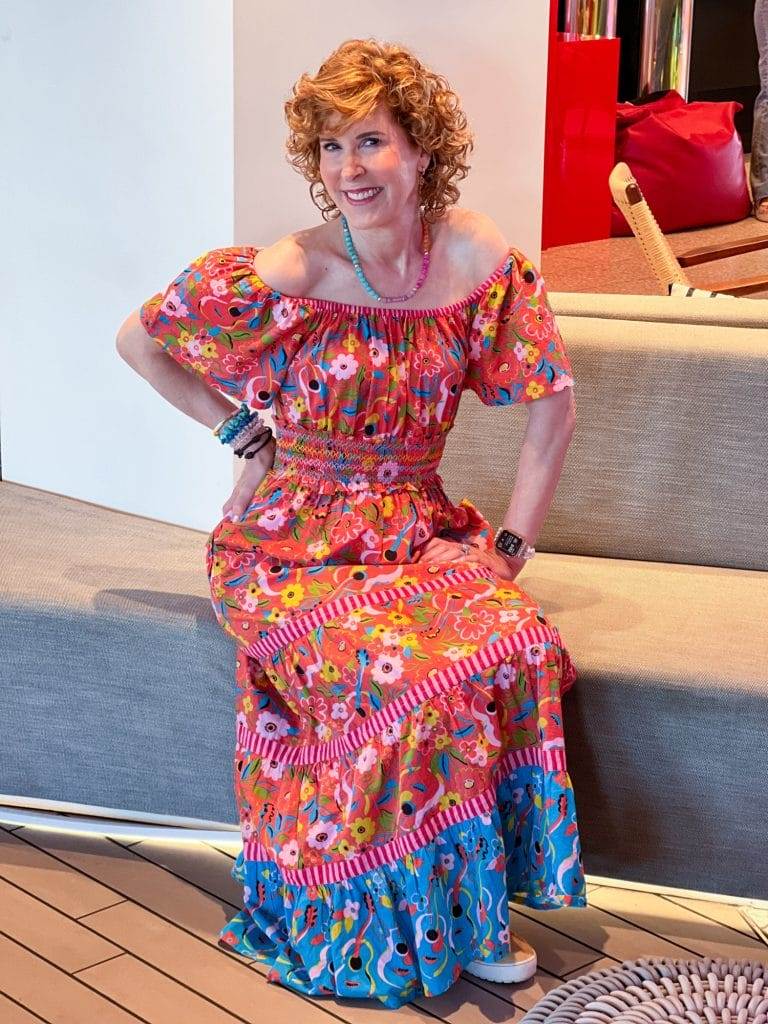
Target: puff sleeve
(516, 353)
(220, 320)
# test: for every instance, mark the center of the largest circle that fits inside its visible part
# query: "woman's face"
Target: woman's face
(371, 170)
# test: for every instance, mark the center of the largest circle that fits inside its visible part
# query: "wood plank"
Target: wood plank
(724, 913)
(52, 993)
(599, 965)
(465, 1003)
(678, 924)
(12, 1013)
(152, 996)
(557, 953)
(200, 865)
(200, 967)
(140, 881)
(603, 933)
(524, 995)
(50, 880)
(51, 935)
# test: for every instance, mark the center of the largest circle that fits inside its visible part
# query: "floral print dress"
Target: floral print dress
(400, 770)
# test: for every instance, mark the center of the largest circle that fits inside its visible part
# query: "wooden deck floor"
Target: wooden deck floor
(95, 930)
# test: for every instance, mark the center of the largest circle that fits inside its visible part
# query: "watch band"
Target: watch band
(512, 545)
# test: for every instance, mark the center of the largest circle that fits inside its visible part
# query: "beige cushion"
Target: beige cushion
(668, 462)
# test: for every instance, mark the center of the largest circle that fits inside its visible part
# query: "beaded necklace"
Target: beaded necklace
(355, 259)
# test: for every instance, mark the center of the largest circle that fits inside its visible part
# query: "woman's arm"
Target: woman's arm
(551, 422)
(188, 393)
(192, 396)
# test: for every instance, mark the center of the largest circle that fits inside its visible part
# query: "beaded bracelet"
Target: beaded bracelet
(250, 448)
(230, 426)
(248, 435)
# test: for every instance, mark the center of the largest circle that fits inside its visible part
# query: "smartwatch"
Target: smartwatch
(512, 545)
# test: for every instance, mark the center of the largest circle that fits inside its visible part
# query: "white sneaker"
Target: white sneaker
(518, 965)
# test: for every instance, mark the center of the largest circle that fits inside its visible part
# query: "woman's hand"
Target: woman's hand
(253, 472)
(440, 549)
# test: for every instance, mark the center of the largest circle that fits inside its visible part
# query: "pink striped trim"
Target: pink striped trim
(296, 628)
(452, 675)
(387, 853)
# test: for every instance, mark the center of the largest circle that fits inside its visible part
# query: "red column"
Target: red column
(582, 85)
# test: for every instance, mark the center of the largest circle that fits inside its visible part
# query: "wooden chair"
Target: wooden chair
(666, 266)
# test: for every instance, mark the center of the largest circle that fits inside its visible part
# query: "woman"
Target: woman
(400, 771)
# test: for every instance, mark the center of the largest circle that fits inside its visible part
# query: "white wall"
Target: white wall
(117, 129)
(133, 141)
(494, 55)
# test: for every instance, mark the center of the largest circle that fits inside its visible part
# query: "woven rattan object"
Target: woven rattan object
(660, 989)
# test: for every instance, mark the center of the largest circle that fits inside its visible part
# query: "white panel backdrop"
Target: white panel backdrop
(136, 137)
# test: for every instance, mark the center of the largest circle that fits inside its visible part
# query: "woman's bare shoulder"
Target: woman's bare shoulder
(288, 265)
(478, 240)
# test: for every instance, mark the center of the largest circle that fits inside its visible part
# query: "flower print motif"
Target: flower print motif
(292, 595)
(319, 550)
(293, 414)
(421, 533)
(474, 624)
(503, 937)
(520, 349)
(532, 355)
(289, 854)
(425, 416)
(362, 829)
(173, 305)
(537, 323)
(322, 834)
(457, 652)
(273, 770)
(285, 314)
(377, 353)
(534, 655)
(307, 790)
(495, 296)
(534, 389)
(315, 707)
(428, 362)
(431, 715)
(503, 677)
(350, 343)
(509, 615)
(272, 519)
(247, 704)
(392, 733)
(399, 619)
(387, 471)
(248, 604)
(358, 482)
(449, 800)
(420, 733)
(276, 616)
(344, 848)
(442, 739)
(339, 712)
(387, 507)
(235, 364)
(271, 727)
(389, 637)
(370, 539)
(517, 795)
(330, 673)
(209, 350)
(343, 366)
(351, 909)
(323, 732)
(447, 861)
(563, 381)
(387, 668)
(506, 594)
(366, 759)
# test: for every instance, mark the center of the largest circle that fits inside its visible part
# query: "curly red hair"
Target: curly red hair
(351, 82)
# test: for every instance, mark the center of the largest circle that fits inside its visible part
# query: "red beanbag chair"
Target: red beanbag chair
(688, 161)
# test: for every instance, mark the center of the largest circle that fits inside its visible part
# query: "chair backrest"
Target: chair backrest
(630, 200)
(668, 460)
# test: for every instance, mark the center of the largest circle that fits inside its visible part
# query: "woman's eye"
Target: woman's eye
(328, 146)
(373, 140)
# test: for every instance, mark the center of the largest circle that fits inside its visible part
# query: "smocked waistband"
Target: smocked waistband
(357, 462)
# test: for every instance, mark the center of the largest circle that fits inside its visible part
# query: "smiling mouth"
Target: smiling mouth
(361, 195)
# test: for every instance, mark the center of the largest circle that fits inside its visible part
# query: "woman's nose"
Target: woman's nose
(352, 166)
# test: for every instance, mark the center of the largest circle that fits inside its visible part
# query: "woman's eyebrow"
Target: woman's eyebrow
(361, 135)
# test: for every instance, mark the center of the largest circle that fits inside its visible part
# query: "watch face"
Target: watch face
(509, 543)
